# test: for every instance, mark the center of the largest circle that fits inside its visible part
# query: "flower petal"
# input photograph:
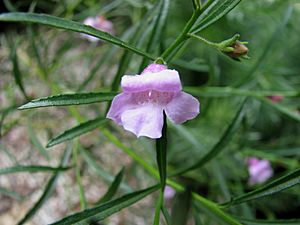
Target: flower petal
(147, 120)
(165, 81)
(154, 68)
(120, 103)
(183, 107)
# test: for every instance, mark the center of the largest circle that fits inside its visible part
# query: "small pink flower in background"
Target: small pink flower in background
(169, 192)
(259, 170)
(100, 23)
(276, 98)
(139, 109)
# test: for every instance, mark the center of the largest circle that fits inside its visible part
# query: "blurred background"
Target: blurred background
(38, 61)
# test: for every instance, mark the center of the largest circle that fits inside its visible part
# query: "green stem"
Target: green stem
(207, 42)
(158, 207)
(176, 45)
(183, 35)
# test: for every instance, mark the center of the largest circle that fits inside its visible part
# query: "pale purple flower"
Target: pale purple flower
(139, 109)
(169, 192)
(259, 170)
(100, 23)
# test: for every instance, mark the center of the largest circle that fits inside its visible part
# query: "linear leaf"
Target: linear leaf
(257, 94)
(213, 209)
(108, 178)
(250, 79)
(157, 30)
(12, 194)
(103, 211)
(269, 222)
(77, 131)
(149, 168)
(161, 154)
(166, 214)
(36, 142)
(4, 113)
(181, 208)
(49, 187)
(69, 99)
(214, 12)
(113, 188)
(137, 40)
(221, 144)
(285, 110)
(284, 182)
(31, 169)
(69, 25)
(190, 65)
(16, 69)
(77, 168)
(229, 91)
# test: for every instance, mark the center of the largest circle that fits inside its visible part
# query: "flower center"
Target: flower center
(152, 96)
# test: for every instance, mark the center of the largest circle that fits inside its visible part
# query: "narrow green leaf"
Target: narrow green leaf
(149, 168)
(68, 99)
(10, 6)
(250, 79)
(214, 211)
(4, 113)
(221, 144)
(36, 142)
(108, 178)
(69, 25)
(103, 211)
(49, 189)
(229, 91)
(113, 188)
(124, 63)
(269, 222)
(161, 154)
(16, 69)
(31, 169)
(197, 215)
(102, 61)
(213, 13)
(77, 131)
(257, 94)
(117, 142)
(157, 31)
(200, 66)
(12, 194)
(137, 40)
(285, 110)
(82, 198)
(9, 154)
(166, 215)
(31, 33)
(181, 207)
(218, 174)
(284, 182)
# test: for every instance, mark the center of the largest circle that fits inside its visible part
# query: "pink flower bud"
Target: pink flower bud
(276, 98)
(259, 170)
(100, 23)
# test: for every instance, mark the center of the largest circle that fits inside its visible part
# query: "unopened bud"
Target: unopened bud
(239, 50)
(234, 48)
